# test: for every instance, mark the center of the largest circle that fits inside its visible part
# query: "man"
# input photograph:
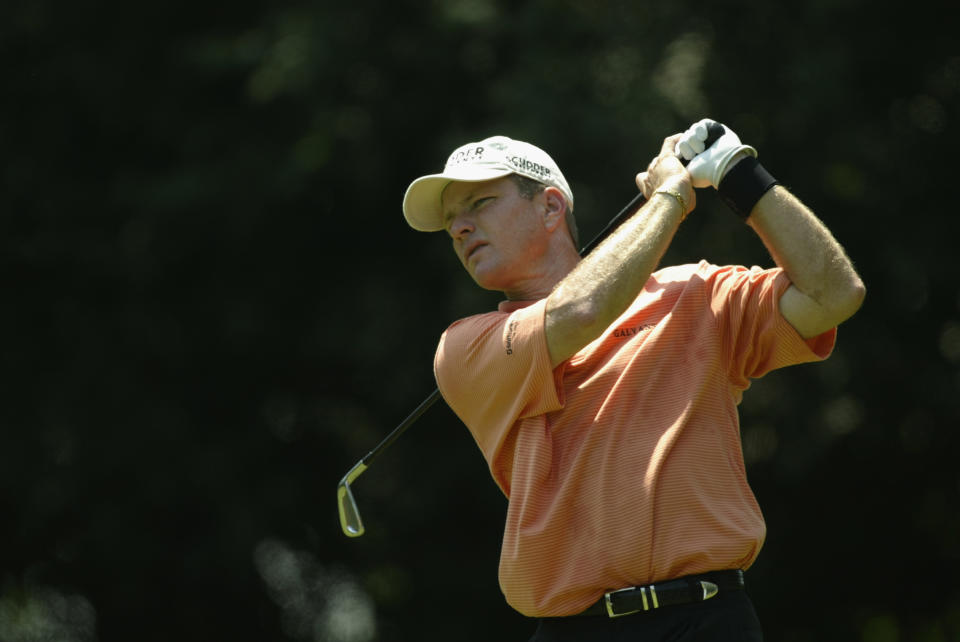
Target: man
(603, 393)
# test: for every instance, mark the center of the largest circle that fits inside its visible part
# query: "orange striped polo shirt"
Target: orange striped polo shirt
(623, 465)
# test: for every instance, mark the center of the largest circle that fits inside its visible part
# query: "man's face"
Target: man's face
(497, 233)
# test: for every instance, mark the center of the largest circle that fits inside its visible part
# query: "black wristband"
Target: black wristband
(744, 184)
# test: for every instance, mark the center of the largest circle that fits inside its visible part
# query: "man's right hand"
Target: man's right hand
(666, 172)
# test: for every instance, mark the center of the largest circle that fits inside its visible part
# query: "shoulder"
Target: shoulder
(475, 321)
(685, 273)
(683, 278)
(493, 367)
(492, 330)
(709, 273)
(718, 284)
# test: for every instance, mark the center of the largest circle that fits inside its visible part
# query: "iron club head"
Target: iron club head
(350, 520)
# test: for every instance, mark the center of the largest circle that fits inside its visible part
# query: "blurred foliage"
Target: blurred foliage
(212, 306)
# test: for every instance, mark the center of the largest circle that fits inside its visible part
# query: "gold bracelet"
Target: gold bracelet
(676, 195)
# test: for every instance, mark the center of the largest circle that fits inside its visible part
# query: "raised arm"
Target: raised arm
(601, 287)
(826, 289)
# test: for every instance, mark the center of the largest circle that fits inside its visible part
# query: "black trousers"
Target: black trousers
(725, 618)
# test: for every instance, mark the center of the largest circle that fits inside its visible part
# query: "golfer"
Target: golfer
(603, 391)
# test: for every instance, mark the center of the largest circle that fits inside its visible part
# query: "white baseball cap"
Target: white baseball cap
(490, 158)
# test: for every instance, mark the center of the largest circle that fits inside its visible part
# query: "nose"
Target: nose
(460, 226)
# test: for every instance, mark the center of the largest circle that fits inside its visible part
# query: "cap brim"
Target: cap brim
(421, 203)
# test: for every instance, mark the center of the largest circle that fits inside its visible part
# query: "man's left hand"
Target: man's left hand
(709, 165)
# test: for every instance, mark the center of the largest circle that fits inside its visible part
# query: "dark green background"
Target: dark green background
(211, 306)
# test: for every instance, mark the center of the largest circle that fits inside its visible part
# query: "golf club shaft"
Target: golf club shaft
(399, 430)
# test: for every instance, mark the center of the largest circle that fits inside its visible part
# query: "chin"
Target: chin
(489, 280)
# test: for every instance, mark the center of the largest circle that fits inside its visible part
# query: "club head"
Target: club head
(349, 515)
(350, 520)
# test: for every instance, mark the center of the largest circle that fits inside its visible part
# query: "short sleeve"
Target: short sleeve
(494, 369)
(755, 336)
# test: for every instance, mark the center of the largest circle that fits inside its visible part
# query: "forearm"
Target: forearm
(827, 289)
(601, 287)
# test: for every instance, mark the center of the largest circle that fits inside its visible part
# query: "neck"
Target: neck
(541, 283)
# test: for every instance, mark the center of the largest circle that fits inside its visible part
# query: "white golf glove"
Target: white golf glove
(708, 166)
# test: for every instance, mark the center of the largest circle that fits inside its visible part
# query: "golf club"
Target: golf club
(350, 519)
(349, 514)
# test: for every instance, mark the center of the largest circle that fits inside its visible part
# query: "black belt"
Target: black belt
(685, 590)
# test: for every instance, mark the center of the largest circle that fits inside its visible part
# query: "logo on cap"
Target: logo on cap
(529, 166)
(465, 156)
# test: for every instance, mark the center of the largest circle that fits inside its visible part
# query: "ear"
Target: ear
(555, 208)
